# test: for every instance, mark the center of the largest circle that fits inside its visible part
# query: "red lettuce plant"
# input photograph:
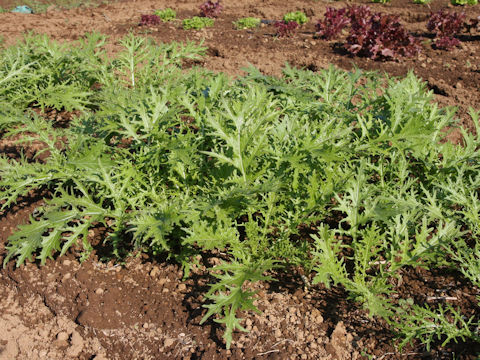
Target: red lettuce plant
(378, 36)
(210, 9)
(445, 26)
(284, 28)
(371, 34)
(149, 20)
(334, 22)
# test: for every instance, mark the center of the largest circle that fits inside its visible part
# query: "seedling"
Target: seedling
(246, 23)
(166, 15)
(149, 20)
(374, 35)
(197, 23)
(464, 2)
(298, 16)
(211, 9)
(445, 26)
(285, 29)
(334, 22)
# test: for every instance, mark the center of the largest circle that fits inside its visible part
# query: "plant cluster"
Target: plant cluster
(197, 23)
(335, 20)
(211, 9)
(246, 23)
(446, 25)
(464, 2)
(369, 171)
(285, 29)
(166, 15)
(298, 16)
(374, 35)
(148, 19)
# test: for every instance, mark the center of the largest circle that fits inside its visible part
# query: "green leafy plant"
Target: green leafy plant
(166, 15)
(445, 324)
(464, 2)
(246, 23)
(179, 161)
(298, 16)
(197, 23)
(421, 2)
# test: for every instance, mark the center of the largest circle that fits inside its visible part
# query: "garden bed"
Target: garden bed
(140, 307)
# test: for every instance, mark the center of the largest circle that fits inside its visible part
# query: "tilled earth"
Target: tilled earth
(142, 309)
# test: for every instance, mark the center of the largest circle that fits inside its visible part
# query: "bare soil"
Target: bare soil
(142, 309)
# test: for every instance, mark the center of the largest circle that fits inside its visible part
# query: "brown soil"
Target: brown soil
(142, 309)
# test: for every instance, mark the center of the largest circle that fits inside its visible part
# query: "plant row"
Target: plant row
(371, 34)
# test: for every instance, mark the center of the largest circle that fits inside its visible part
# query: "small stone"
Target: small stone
(76, 339)
(99, 291)
(66, 277)
(145, 326)
(248, 322)
(278, 333)
(42, 354)
(168, 342)
(66, 262)
(62, 336)
(155, 271)
(182, 287)
(165, 290)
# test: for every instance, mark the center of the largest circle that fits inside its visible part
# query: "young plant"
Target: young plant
(421, 2)
(428, 325)
(246, 23)
(464, 2)
(197, 23)
(166, 15)
(298, 16)
(446, 25)
(147, 20)
(378, 36)
(211, 9)
(334, 22)
(285, 29)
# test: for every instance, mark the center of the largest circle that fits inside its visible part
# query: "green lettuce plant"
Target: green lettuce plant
(246, 23)
(197, 23)
(166, 15)
(298, 16)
